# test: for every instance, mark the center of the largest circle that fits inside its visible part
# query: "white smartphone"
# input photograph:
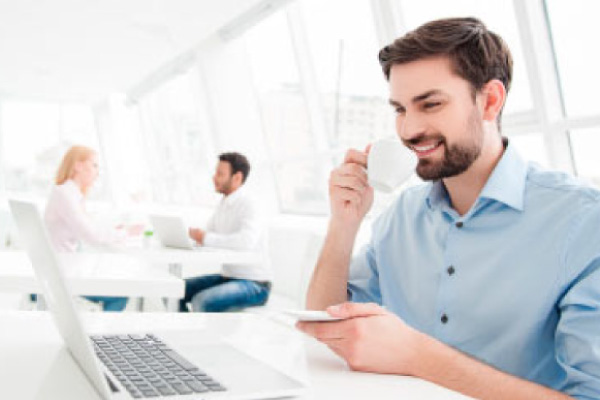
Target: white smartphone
(311, 315)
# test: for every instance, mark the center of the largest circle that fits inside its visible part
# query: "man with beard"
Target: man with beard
(490, 272)
(234, 225)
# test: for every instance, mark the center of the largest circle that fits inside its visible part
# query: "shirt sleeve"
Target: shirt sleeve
(363, 281)
(578, 330)
(245, 238)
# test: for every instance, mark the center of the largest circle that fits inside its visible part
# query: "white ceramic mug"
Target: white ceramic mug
(390, 164)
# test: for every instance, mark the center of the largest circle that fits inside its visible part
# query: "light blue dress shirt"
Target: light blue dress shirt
(515, 282)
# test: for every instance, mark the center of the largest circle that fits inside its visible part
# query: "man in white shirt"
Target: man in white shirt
(234, 225)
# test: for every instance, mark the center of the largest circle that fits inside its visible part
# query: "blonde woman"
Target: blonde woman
(66, 219)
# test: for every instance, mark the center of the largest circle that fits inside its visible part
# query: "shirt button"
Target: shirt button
(459, 224)
(451, 270)
(444, 319)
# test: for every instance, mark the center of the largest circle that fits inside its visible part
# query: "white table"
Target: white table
(36, 365)
(200, 256)
(94, 274)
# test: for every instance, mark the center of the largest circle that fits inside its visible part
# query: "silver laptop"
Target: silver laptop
(176, 365)
(171, 231)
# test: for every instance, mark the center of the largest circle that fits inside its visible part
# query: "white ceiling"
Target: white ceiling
(82, 50)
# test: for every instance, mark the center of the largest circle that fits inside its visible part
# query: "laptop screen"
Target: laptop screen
(35, 239)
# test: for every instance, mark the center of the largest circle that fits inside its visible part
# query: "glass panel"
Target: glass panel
(35, 137)
(353, 90)
(175, 145)
(302, 186)
(578, 63)
(585, 144)
(499, 16)
(531, 147)
(277, 83)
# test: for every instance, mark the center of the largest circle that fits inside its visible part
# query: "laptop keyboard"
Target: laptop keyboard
(147, 367)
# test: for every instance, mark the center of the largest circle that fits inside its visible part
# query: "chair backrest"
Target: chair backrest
(293, 254)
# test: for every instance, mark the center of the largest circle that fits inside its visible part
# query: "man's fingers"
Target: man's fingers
(349, 182)
(349, 195)
(351, 169)
(323, 331)
(352, 310)
(357, 157)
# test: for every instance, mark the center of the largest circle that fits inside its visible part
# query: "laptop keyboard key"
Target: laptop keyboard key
(216, 388)
(197, 387)
(166, 391)
(185, 364)
(181, 388)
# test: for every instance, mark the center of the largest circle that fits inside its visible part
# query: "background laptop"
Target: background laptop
(171, 231)
(225, 373)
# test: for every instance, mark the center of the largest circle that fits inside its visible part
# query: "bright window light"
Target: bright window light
(175, 145)
(531, 147)
(585, 144)
(35, 137)
(578, 60)
(351, 84)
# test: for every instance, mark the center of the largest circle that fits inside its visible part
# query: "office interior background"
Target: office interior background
(161, 87)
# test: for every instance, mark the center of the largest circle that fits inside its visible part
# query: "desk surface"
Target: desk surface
(199, 256)
(94, 274)
(31, 348)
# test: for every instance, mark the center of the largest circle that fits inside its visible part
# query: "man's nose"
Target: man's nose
(410, 127)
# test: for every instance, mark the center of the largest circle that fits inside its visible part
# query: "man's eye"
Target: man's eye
(399, 110)
(430, 105)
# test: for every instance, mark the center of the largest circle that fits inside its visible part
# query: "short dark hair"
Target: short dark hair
(238, 163)
(476, 54)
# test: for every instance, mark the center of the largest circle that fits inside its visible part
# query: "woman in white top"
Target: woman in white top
(66, 219)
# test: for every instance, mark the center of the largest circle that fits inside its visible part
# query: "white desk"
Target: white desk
(94, 274)
(193, 262)
(36, 365)
(200, 256)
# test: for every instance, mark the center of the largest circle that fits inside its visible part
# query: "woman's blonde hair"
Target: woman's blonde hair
(66, 170)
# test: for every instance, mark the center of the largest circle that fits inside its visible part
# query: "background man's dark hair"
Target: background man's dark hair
(476, 54)
(238, 162)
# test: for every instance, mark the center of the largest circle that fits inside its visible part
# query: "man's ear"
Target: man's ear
(238, 178)
(493, 98)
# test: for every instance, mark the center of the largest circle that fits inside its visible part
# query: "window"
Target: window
(280, 93)
(352, 89)
(290, 136)
(577, 59)
(176, 145)
(35, 137)
(531, 147)
(585, 144)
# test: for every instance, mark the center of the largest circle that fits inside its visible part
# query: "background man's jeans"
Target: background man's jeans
(110, 303)
(216, 293)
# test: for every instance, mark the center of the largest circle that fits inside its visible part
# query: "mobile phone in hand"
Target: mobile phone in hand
(311, 315)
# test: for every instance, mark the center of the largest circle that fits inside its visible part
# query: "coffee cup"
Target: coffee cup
(390, 164)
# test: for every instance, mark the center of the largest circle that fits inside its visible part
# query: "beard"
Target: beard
(224, 188)
(457, 158)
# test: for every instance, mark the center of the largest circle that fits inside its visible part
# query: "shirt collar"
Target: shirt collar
(232, 198)
(506, 184)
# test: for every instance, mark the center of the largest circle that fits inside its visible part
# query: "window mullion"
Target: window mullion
(307, 77)
(545, 87)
